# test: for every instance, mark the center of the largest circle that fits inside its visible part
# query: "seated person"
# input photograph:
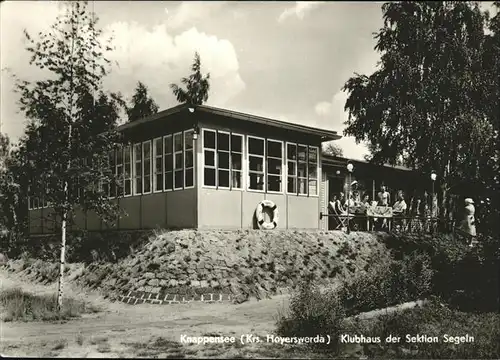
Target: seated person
(399, 207)
(384, 198)
(366, 201)
(339, 208)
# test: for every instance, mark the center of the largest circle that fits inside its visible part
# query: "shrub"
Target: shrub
(464, 277)
(313, 313)
(388, 283)
(21, 306)
(432, 320)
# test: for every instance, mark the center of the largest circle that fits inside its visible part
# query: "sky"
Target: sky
(283, 60)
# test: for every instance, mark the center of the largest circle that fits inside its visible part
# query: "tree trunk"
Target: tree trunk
(63, 255)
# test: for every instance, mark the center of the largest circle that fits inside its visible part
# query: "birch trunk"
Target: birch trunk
(63, 256)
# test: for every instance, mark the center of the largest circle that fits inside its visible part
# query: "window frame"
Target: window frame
(242, 153)
(217, 167)
(296, 177)
(264, 162)
(318, 177)
(204, 130)
(135, 161)
(112, 168)
(192, 150)
(281, 142)
(155, 161)
(129, 148)
(120, 178)
(171, 136)
(174, 163)
(143, 175)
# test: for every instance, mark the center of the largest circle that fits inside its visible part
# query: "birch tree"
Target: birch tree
(73, 122)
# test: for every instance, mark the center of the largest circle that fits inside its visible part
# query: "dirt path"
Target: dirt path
(122, 330)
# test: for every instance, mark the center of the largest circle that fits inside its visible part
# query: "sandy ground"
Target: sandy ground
(121, 330)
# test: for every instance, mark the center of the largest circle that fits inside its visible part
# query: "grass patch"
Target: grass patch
(104, 348)
(79, 339)
(59, 345)
(98, 340)
(22, 306)
(433, 320)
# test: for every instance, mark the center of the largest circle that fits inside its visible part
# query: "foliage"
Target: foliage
(22, 306)
(434, 319)
(332, 149)
(197, 86)
(387, 284)
(73, 122)
(142, 104)
(313, 313)
(84, 246)
(431, 104)
(466, 277)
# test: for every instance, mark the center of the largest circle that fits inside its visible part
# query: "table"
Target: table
(379, 212)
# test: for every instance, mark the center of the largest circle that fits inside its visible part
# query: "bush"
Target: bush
(432, 320)
(464, 277)
(22, 306)
(388, 284)
(313, 313)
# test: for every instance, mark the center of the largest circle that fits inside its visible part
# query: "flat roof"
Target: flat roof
(330, 158)
(326, 135)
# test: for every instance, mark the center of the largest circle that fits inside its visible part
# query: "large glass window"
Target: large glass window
(146, 167)
(120, 174)
(110, 186)
(223, 159)
(138, 169)
(256, 156)
(236, 161)
(188, 159)
(168, 161)
(312, 170)
(274, 165)
(178, 161)
(209, 150)
(302, 169)
(127, 165)
(158, 164)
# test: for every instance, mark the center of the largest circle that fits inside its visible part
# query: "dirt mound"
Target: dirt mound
(249, 263)
(240, 263)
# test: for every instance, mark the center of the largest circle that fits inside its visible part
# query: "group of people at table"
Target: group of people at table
(357, 208)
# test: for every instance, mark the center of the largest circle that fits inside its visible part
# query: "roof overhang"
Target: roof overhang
(325, 135)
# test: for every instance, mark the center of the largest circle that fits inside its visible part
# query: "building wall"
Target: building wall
(234, 209)
(176, 209)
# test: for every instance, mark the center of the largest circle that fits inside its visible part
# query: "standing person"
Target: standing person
(399, 206)
(468, 224)
(399, 209)
(384, 198)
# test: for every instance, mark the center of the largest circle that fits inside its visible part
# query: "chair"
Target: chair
(341, 217)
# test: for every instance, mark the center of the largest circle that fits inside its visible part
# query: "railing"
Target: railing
(400, 224)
